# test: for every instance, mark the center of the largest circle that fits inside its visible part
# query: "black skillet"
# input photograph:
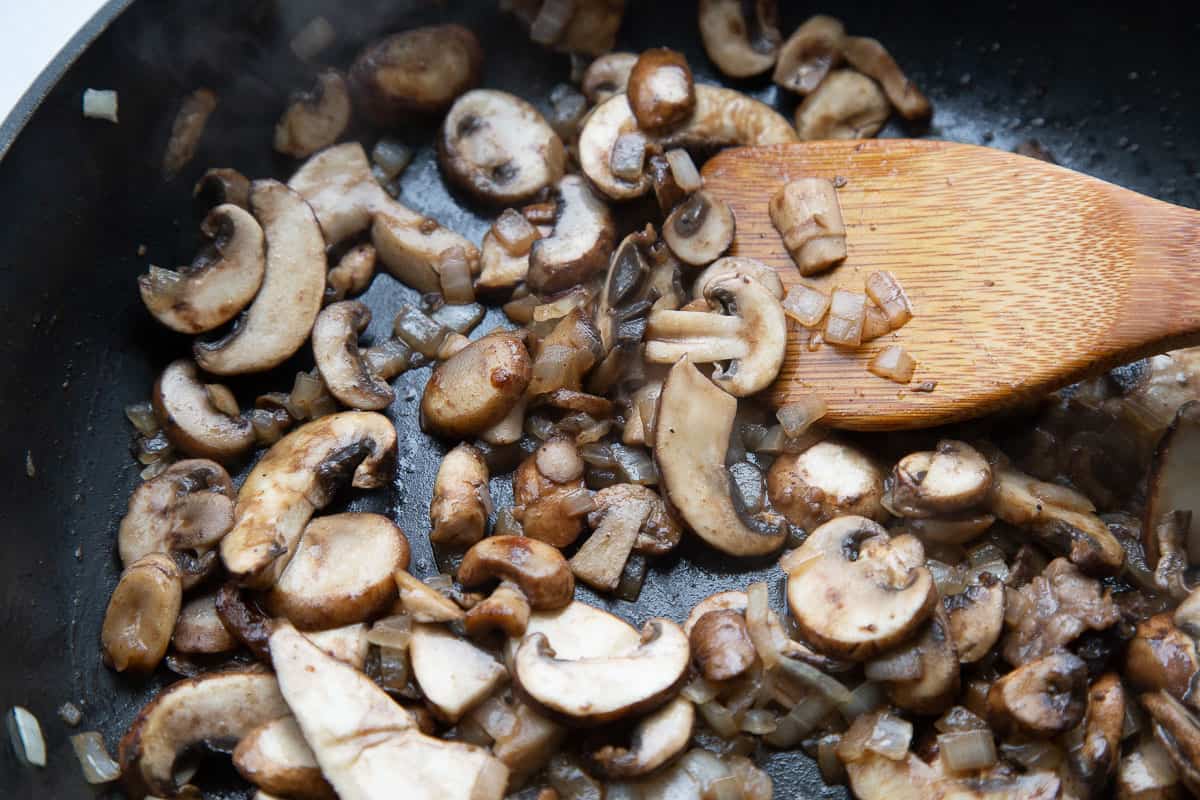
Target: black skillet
(1109, 92)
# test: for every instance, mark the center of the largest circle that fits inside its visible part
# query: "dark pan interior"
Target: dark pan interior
(1110, 92)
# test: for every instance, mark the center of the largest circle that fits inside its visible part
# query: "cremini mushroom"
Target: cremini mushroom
(453, 674)
(424, 603)
(353, 273)
(579, 244)
(738, 265)
(1161, 656)
(729, 600)
(1042, 698)
(220, 281)
(607, 75)
(580, 631)
(660, 89)
(953, 477)
(550, 510)
(829, 479)
(420, 70)
(601, 559)
(1103, 727)
(809, 53)
(199, 628)
(499, 148)
(538, 569)
(476, 387)
(700, 229)
(506, 609)
(741, 38)
(141, 614)
(221, 185)
(461, 501)
(934, 690)
(1178, 731)
(1187, 614)
(345, 371)
(281, 317)
(976, 617)
(691, 438)
(296, 477)
(243, 617)
(847, 105)
(197, 417)
(275, 758)
(870, 57)
(808, 216)
(342, 571)
(655, 740)
(1170, 486)
(855, 591)
(659, 533)
(721, 645)
(590, 691)
(314, 119)
(219, 707)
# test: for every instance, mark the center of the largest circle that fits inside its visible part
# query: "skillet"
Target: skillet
(1109, 92)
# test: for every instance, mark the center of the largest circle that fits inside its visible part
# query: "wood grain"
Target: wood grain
(1023, 276)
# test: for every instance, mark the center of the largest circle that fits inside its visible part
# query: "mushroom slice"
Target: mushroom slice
(607, 75)
(659, 533)
(275, 758)
(954, 529)
(590, 691)
(499, 148)
(335, 348)
(476, 387)
(342, 571)
(141, 614)
(934, 691)
(537, 568)
(740, 44)
(579, 631)
(218, 708)
(809, 53)
(1146, 773)
(829, 479)
(1044, 697)
(953, 477)
(220, 281)
(976, 618)
(736, 265)
(279, 320)
(296, 477)
(847, 105)
(461, 501)
(660, 89)
(580, 244)
(1172, 484)
(694, 422)
(353, 273)
(700, 229)
(366, 744)
(855, 591)
(721, 645)
(549, 510)
(347, 644)
(221, 185)
(412, 246)
(870, 57)
(1096, 759)
(186, 409)
(1178, 731)
(454, 674)
(506, 609)
(419, 70)
(314, 119)
(199, 628)
(600, 561)
(655, 740)
(1160, 656)
(424, 603)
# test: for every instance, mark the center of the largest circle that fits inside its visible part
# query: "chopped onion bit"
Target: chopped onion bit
(893, 363)
(391, 157)
(847, 313)
(806, 305)
(887, 293)
(683, 169)
(419, 331)
(899, 665)
(98, 765)
(26, 736)
(514, 233)
(798, 416)
(100, 104)
(875, 323)
(394, 632)
(964, 750)
(628, 157)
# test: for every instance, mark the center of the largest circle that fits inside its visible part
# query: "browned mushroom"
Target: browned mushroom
(721, 645)
(1160, 656)
(976, 617)
(461, 501)
(1178, 731)
(476, 387)
(809, 53)
(419, 70)
(1052, 610)
(808, 216)
(1042, 698)
(579, 244)
(660, 89)
(199, 628)
(200, 419)
(741, 38)
(141, 614)
(608, 75)
(314, 119)
(870, 57)
(506, 609)
(537, 568)
(1103, 725)
(551, 510)
(829, 479)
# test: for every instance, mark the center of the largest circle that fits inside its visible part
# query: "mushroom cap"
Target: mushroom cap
(338, 186)
(827, 480)
(1160, 656)
(537, 568)
(740, 48)
(335, 348)
(872, 59)
(655, 740)
(580, 631)
(540, 504)
(1043, 697)
(976, 618)
(660, 89)
(275, 758)
(476, 387)
(199, 628)
(607, 75)
(1096, 760)
(809, 53)
(721, 645)
(185, 408)
(314, 119)
(580, 243)
(424, 603)
(934, 691)
(1178, 731)
(461, 501)
(419, 70)
(953, 477)
(141, 614)
(453, 674)
(729, 600)
(855, 590)
(847, 105)
(738, 265)
(506, 609)
(700, 229)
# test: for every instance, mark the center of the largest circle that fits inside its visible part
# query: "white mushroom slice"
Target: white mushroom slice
(279, 320)
(976, 618)
(736, 265)
(809, 53)
(723, 117)
(829, 479)
(499, 148)
(141, 614)
(353, 273)
(342, 572)
(538, 569)
(691, 437)
(607, 75)
(1095, 761)
(335, 348)
(220, 281)
(590, 691)
(454, 674)
(731, 600)
(654, 741)
(424, 603)
(854, 590)
(1172, 485)
(581, 241)
(461, 501)
(506, 609)
(220, 707)
(600, 561)
(579, 631)
(700, 229)
(847, 105)
(476, 387)
(741, 47)
(314, 119)
(347, 644)
(297, 476)
(870, 57)
(808, 217)
(420, 70)
(192, 421)
(411, 246)
(199, 628)
(953, 477)
(934, 690)
(275, 758)
(222, 185)
(367, 745)
(721, 645)
(1177, 729)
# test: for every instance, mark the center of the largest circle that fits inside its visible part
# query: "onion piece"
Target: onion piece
(597, 454)
(316, 35)
(635, 464)
(802, 720)
(100, 104)
(719, 718)
(812, 677)
(888, 735)
(965, 750)
(847, 312)
(633, 577)
(1033, 754)
(959, 719)
(70, 714)
(507, 524)
(514, 233)
(867, 697)
(455, 275)
(949, 578)
(627, 160)
(716, 780)
(806, 305)
(899, 665)
(797, 417)
(758, 626)
(832, 770)
(875, 323)
(391, 157)
(893, 363)
(699, 691)
(684, 171)
(98, 765)
(885, 290)
(394, 632)
(551, 21)
(759, 721)
(577, 502)
(561, 306)
(520, 310)
(26, 736)
(393, 669)
(418, 331)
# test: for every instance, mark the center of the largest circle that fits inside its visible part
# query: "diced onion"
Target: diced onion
(875, 323)
(802, 720)
(455, 275)
(316, 35)
(683, 169)
(633, 576)
(419, 331)
(719, 718)
(893, 363)
(998, 569)
(757, 625)
(716, 780)
(833, 771)
(393, 668)
(949, 578)
(394, 632)
(553, 369)
(890, 737)
(958, 719)
(141, 416)
(460, 318)
(577, 502)
(759, 721)
(507, 525)
(560, 307)
(388, 359)
(392, 157)
(966, 750)
(514, 233)
(628, 157)
(635, 464)
(571, 782)
(867, 697)
(100, 104)
(496, 717)
(70, 714)
(597, 454)
(798, 416)
(699, 691)
(26, 736)
(309, 398)
(847, 312)
(797, 561)
(98, 765)
(883, 288)
(806, 305)
(812, 677)
(901, 665)
(1033, 754)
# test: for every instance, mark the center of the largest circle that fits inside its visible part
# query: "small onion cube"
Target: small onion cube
(141, 416)
(560, 307)
(628, 157)
(890, 297)
(832, 769)
(847, 312)
(875, 323)
(719, 718)
(806, 305)
(893, 363)
(455, 274)
(967, 750)
(391, 157)
(316, 35)
(798, 416)
(958, 719)
(699, 691)
(683, 169)
(633, 576)
(419, 331)
(26, 736)
(890, 737)
(867, 697)
(802, 720)
(100, 104)
(577, 502)
(98, 765)
(635, 463)
(514, 233)
(70, 714)
(521, 309)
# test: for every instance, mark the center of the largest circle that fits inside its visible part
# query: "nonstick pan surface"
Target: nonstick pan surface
(1110, 91)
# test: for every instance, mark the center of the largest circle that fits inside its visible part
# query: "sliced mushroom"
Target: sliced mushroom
(500, 269)
(461, 501)
(735, 265)
(366, 744)
(721, 645)
(506, 609)
(537, 568)
(1042, 698)
(579, 631)
(141, 614)
(1160, 656)
(549, 511)
(476, 387)
(279, 320)
(424, 603)
(976, 617)
(828, 480)
(1052, 609)
(275, 758)
(730, 600)
(854, 590)
(1178, 731)
(951, 478)
(353, 273)
(412, 246)
(199, 628)
(590, 691)
(607, 75)
(659, 533)
(218, 708)
(296, 477)
(740, 43)
(934, 691)
(499, 148)
(809, 53)
(220, 281)
(691, 437)
(1170, 536)
(660, 89)
(453, 674)
(700, 229)
(808, 217)
(219, 186)
(587, 28)
(1096, 760)
(335, 348)
(953, 529)
(601, 559)
(191, 419)
(347, 644)
(581, 241)
(847, 105)
(342, 571)
(870, 57)
(420, 70)
(656, 739)
(1171, 484)
(314, 119)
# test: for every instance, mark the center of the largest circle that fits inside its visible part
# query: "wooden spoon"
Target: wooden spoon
(1023, 276)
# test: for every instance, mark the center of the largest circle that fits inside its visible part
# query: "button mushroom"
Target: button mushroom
(314, 119)
(551, 510)
(1171, 484)
(346, 373)
(607, 75)
(951, 478)
(199, 628)
(721, 645)
(275, 758)
(809, 53)
(1160, 656)
(736, 265)
(976, 617)
(219, 186)
(506, 609)
(353, 273)
(695, 420)
(580, 243)
(1042, 698)
(537, 568)
(655, 740)
(195, 416)
(141, 614)
(453, 674)
(220, 281)
(1103, 725)
(461, 501)
(476, 387)
(660, 89)
(279, 320)
(847, 105)
(580, 631)
(700, 229)
(808, 217)
(829, 479)
(937, 662)
(420, 70)
(297, 476)
(854, 590)
(740, 43)
(870, 57)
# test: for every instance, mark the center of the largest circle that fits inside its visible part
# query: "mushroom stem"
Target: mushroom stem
(702, 336)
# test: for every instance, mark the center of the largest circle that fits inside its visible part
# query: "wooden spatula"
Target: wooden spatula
(1023, 276)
